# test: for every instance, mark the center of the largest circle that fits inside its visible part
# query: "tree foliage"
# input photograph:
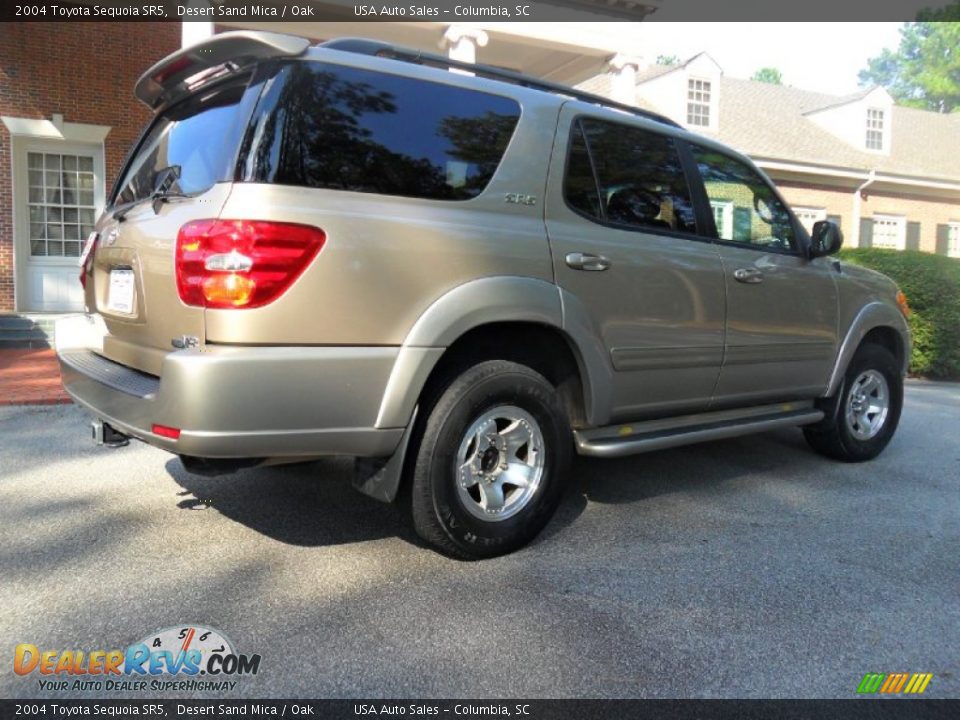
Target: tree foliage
(924, 72)
(932, 286)
(768, 75)
(668, 60)
(950, 12)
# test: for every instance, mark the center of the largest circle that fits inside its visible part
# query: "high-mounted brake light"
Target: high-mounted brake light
(172, 69)
(242, 263)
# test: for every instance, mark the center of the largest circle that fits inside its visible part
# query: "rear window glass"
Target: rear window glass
(326, 126)
(198, 136)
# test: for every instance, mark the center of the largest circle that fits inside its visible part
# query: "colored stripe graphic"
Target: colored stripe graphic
(915, 681)
(871, 683)
(891, 681)
(900, 683)
(922, 685)
(894, 683)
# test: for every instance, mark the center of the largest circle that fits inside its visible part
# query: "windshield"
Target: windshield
(198, 135)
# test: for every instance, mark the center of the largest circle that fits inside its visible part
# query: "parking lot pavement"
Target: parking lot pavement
(743, 568)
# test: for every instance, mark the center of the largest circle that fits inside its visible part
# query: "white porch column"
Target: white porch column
(195, 31)
(623, 87)
(461, 42)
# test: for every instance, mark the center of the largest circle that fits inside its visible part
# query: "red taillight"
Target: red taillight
(86, 258)
(242, 263)
(167, 432)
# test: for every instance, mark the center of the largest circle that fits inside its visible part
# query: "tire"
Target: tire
(862, 417)
(463, 497)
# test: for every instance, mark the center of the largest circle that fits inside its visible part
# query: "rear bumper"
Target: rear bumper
(239, 402)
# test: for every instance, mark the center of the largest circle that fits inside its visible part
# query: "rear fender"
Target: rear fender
(482, 302)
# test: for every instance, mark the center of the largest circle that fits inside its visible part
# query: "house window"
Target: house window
(745, 208)
(808, 216)
(60, 203)
(953, 239)
(889, 231)
(698, 102)
(723, 218)
(874, 129)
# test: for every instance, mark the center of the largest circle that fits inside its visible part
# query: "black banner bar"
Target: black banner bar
(855, 709)
(453, 11)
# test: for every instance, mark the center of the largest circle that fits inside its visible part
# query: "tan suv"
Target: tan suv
(460, 278)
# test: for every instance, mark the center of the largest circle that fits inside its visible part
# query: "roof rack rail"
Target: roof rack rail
(363, 46)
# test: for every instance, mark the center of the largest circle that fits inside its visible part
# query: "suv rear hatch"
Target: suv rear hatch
(180, 171)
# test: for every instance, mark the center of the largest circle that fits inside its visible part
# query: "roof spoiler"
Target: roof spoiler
(180, 72)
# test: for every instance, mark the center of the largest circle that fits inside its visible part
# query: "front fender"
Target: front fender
(871, 316)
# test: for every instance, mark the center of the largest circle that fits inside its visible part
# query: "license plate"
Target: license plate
(120, 295)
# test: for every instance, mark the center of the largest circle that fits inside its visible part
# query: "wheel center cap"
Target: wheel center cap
(490, 459)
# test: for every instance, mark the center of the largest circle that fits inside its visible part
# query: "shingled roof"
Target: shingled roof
(770, 121)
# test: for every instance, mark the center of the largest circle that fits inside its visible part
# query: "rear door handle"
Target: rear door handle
(748, 275)
(587, 261)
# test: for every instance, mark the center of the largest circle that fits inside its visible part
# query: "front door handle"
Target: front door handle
(748, 275)
(587, 261)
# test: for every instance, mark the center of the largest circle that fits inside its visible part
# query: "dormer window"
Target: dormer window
(698, 102)
(875, 121)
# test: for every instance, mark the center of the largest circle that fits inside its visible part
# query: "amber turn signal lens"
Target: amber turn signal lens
(229, 289)
(902, 303)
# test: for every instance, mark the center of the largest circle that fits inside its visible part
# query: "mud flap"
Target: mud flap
(380, 477)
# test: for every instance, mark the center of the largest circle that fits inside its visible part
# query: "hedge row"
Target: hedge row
(932, 285)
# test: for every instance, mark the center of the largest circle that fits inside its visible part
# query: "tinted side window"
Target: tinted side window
(639, 180)
(745, 208)
(580, 184)
(327, 126)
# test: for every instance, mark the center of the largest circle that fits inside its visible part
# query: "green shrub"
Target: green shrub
(932, 286)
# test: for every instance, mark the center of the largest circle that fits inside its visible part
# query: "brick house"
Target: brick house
(889, 175)
(68, 120)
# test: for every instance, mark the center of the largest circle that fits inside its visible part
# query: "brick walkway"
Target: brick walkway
(30, 377)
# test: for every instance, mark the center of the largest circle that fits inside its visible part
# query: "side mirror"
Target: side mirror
(762, 206)
(826, 239)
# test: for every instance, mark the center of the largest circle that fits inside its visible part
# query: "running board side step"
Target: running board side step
(640, 437)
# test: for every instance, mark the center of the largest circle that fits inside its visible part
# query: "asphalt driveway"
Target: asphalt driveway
(742, 568)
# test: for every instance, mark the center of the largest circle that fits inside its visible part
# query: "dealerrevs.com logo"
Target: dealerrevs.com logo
(185, 658)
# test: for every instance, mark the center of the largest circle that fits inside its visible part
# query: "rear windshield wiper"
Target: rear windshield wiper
(166, 180)
(164, 190)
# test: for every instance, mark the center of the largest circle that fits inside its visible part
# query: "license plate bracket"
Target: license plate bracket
(120, 291)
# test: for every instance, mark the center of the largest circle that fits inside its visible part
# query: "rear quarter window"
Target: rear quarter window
(326, 126)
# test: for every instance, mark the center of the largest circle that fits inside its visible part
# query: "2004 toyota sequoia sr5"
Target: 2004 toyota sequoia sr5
(459, 278)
